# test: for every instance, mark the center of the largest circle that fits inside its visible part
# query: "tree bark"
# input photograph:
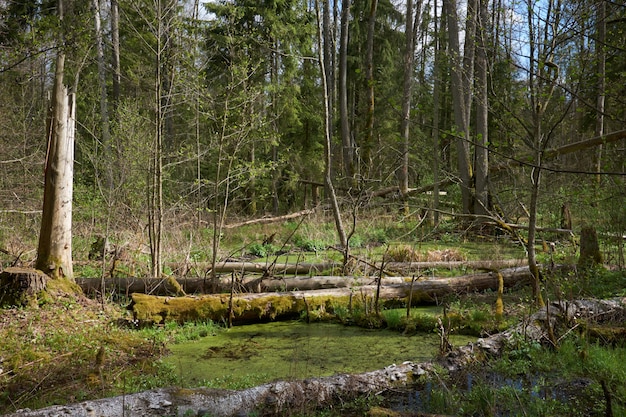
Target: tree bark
(115, 41)
(104, 106)
(369, 80)
(437, 83)
(272, 219)
(328, 181)
(410, 33)
(600, 44)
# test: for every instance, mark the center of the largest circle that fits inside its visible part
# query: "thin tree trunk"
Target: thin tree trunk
(542, 77)
(436, 110)
(346, 138)
(482, 115)
(532, 230)
(104, 107)
(601, 57)
(411, 25)
(370, 81)
(328, 182)
(115, 41)
(155, 188)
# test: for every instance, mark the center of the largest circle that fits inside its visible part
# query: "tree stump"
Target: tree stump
(590, 254)
(20, 286)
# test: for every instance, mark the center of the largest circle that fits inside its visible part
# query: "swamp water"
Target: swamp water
(250, 355)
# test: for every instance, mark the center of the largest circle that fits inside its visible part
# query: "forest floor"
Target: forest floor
(76, 348)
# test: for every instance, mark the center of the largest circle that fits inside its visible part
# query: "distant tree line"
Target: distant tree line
(215, 110)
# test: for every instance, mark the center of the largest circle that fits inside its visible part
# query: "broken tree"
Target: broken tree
(54, 254)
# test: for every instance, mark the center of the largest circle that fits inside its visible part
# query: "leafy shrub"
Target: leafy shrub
(379, 235)
(261, 250)
(309, 245)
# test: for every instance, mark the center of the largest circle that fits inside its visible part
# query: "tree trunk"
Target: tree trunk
(590, 254)
(346, 135)
(436, 110)
(405, 124)
(459, 84)
(601, 58)
(271, 219)
(264, 277)
(115, 41)
(481, 204)
(273, 305)
(54, 253)
(107, 161)
(369, 79)
(328, 182)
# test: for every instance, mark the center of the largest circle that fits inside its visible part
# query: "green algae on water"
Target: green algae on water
(250, 355)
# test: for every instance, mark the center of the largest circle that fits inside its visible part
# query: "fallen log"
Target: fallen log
(276, 282)
(274, 305)
(271, 219)
(267, 268)
(268, 399)
(250, 283)
(488, 265)
(277, 397)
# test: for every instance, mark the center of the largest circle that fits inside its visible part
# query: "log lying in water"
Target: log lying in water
(268, 306)
(278, 279)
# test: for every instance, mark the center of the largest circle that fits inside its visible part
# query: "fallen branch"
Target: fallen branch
(271, 219)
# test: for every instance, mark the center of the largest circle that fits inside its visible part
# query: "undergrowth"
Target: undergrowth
(74, 349)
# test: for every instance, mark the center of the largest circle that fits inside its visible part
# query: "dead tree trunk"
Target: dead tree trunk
(54, 254)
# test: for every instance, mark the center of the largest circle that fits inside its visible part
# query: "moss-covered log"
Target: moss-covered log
(269, 306)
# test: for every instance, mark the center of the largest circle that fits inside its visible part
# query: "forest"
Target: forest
(173, 159)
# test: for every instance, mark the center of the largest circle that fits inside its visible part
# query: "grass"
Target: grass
(533, 381)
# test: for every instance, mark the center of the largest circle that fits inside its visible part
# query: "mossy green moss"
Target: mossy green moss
(249, 355)
(158, 309)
